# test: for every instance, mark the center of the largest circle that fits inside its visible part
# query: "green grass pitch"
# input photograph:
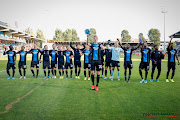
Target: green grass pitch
(72, 98)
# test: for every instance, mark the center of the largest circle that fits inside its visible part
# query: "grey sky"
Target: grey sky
(108, 17)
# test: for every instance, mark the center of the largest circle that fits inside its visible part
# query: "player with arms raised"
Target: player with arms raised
(172, 54)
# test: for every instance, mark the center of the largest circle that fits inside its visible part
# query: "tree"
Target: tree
(142, 37)
(92, 34)
(125, 36)
(154, 36)
(58, 35)
(68, 35)
(40, 35)
(29, 31)
(74, 35)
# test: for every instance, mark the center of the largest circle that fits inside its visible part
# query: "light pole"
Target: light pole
(164, 12)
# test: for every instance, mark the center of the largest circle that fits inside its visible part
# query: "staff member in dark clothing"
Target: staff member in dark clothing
(156, 57)
(108, 54)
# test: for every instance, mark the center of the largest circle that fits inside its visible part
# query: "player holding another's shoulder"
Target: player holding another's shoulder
(156, 57)
(46, 62)
(53, 55)
(22, 62)
(11, 60)
(128, 59)
(115, 59)
(87, 64)
(108, 54)
(172, 54)
(69, 64)
(77, 58)
(145, 60)
(95, 61)
(60, 55)
(35, 60)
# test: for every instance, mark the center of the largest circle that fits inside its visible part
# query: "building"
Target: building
(12, 36)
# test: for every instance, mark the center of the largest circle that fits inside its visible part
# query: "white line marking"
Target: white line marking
(2, 70)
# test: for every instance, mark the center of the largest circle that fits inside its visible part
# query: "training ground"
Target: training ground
(40, 99)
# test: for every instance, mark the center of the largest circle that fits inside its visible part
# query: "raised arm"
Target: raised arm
(72, 46)
(137, 46)
(83, 47)
(170, 42)
(120, 44)
(4, 52)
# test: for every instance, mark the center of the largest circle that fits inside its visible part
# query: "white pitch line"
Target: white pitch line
(2, 70)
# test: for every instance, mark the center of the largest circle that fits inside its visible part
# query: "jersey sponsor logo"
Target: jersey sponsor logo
(172, 52)
(95, 48)
(35, 51)
(22, 54)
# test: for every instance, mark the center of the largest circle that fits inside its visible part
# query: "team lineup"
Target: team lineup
(93, 61)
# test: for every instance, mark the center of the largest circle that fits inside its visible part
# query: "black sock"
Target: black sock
(76, 71)
(125, 71)
(52, 72)
(173, 72)
(167, 75)
(37, 72)
(13, 72)
(71, 73)
(8, 72)
(152, 74)
(32, 72)
(92, 77)
(84, 73)
(48, 72)
(98, 76)
(24, 72)
(106, 73)
(159, 72)
(140, 72)
(79, 72)
(55, 72)
(102, 71)
(66, 73)
(110, 71)
(20, 72)
(129, 74)
(44, 72)
(63, 73)
(60, 72)
(89, 73)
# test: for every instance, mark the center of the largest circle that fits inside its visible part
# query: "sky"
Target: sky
(108, 17)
